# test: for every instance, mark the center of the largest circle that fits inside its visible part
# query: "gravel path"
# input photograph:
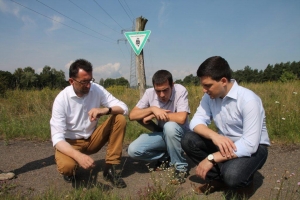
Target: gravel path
(33, 162)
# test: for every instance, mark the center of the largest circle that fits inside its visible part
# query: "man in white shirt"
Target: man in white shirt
(75, 115)
(167, 103)
(238, 149)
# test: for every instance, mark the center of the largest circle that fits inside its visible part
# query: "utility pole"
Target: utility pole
(140, 26)
(132, 81)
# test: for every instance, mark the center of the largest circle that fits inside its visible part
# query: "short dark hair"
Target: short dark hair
(79, 64)
(215, 67)
(161, 76)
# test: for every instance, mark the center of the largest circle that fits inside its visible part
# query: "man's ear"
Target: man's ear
(224, 81)
(71, 81)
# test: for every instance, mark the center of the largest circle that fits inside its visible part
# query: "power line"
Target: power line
(125, 11)
(108, 14)
(57, 21)
(74, 20)
(129, 9)
(93, 16)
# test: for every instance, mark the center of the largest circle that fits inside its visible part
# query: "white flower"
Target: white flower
(276, 101)
(283, 118)
(295, 93)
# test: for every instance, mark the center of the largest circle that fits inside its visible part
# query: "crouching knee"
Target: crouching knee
(236, 181)
(67, 168)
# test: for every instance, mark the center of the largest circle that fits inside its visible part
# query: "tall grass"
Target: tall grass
(26, 114)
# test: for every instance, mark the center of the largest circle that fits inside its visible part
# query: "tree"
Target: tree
(7, 82)
(287, 76)
(101, 82)
(122, 81)
(109, 82)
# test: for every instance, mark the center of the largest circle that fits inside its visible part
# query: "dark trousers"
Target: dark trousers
(235, 173)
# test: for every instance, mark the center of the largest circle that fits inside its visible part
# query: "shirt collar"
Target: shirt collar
(233, 92)
(73, 94)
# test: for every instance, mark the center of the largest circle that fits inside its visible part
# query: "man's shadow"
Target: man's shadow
(34, 165)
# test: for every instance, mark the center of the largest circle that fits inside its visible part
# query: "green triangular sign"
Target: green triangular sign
(137, 40)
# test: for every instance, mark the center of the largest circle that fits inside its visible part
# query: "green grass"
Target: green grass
(26, 114)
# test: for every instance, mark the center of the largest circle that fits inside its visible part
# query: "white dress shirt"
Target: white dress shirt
(70, 117)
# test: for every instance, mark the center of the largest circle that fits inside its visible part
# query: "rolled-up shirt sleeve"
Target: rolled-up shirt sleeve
(109, 100)
(203, 113)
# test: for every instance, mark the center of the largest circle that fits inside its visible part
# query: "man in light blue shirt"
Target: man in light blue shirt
(167, 103)
(238, 149)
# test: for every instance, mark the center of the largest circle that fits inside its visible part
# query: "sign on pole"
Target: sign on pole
(137, 40)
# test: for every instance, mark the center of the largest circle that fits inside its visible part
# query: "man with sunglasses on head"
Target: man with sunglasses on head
(167, 103)
(74, 130)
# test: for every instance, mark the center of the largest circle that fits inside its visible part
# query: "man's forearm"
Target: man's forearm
(65, 148)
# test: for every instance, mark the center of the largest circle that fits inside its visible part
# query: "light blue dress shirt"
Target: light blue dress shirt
(239, 116)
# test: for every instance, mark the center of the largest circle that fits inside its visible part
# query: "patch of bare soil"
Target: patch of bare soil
(33, 163)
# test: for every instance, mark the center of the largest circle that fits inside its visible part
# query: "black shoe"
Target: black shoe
(69, 179)
(179, 177)
(161, 165)
(110, 174)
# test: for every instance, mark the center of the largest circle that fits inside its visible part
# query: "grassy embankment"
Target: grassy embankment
(26, 114)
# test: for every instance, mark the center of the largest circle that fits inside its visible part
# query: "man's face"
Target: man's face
(82, 83)
(163, 91)
(215, 89)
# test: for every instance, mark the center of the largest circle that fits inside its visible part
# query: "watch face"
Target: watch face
(210, 157)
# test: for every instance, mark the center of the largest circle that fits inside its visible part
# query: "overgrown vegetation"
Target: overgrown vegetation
(26, 114)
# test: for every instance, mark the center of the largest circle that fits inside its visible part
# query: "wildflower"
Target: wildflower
(276, 101)
(298, 184)
(278, 181)
(283, 118)
(295, 93)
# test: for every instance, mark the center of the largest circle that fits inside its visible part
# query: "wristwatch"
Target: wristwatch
(109, 111)
(211, 159)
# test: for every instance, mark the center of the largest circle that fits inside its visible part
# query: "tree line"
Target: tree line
(26, 79)
(279, 72)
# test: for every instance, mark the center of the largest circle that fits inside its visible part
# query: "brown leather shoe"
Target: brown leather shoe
(210, 187)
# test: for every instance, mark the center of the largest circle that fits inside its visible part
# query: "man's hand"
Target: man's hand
(147, 119)
(85, 161)
(160, 114)
(95, 113)
(203, 167)
(226, 146)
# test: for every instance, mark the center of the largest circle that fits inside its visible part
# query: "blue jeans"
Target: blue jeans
(158, 145)
(235, 173)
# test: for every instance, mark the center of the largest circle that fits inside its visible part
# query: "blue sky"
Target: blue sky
(183, 34)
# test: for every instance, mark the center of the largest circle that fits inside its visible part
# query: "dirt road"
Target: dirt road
(34, 164)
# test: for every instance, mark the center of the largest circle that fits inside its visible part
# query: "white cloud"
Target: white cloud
(6, 8)
(162, 15)
(56, 23)
(29, 24)
(108, 71)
